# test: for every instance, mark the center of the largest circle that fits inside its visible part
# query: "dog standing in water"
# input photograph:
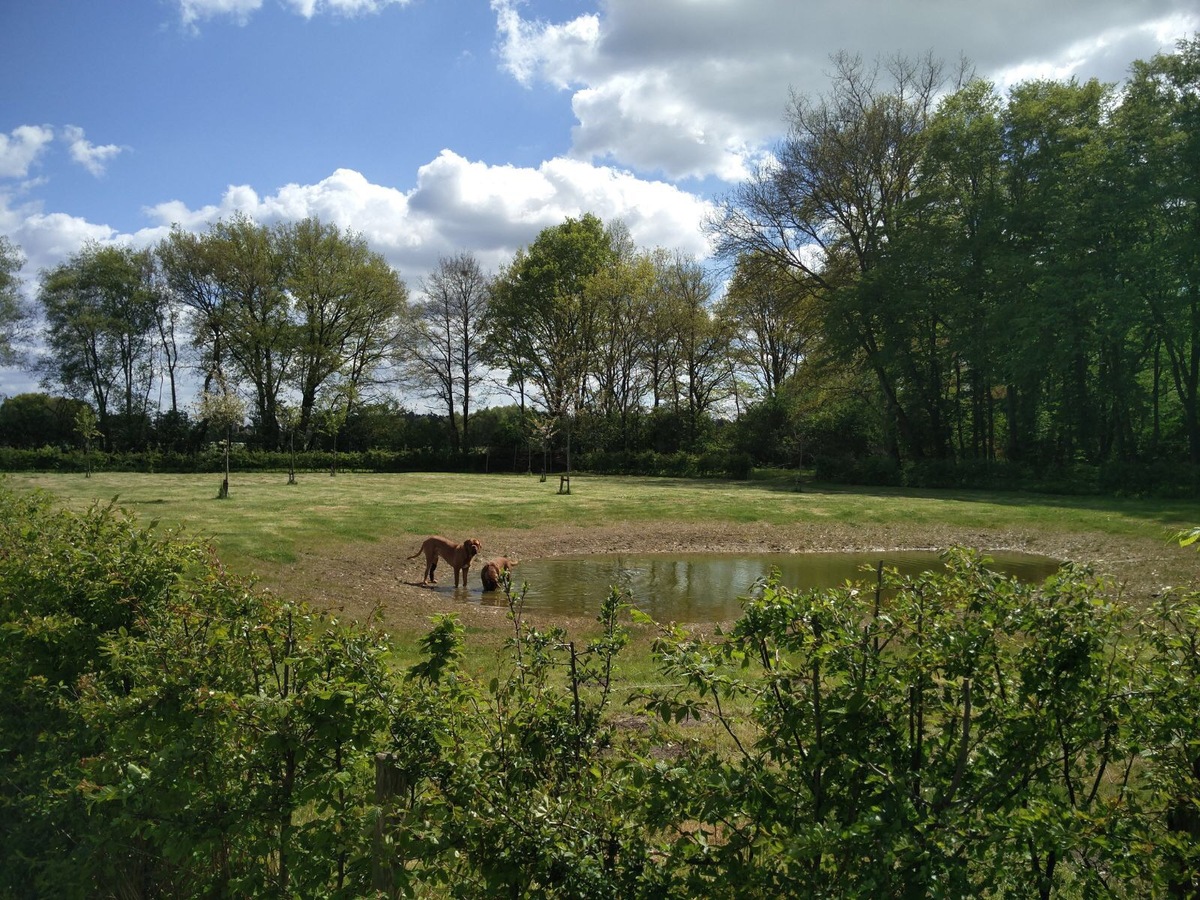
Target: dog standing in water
(458, 555)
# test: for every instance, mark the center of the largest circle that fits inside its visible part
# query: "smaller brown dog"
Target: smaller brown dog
(458, 555)
(490, 574)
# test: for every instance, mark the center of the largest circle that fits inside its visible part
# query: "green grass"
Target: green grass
(267, 519)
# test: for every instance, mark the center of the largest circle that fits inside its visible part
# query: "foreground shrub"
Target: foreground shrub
(170, 731)
(952, 734)
(515, 789)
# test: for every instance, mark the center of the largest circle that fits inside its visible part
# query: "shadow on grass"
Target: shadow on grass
(1167, 513)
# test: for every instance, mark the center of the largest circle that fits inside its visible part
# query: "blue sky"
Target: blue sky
(434, 126)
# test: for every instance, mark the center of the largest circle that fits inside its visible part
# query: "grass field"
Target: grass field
(341, 542)
(265, 520)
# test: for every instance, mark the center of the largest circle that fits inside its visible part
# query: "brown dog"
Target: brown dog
(458, 555)
(490, 574)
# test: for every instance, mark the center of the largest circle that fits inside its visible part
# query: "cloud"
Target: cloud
(49, 238)
(87, 154)
(496, 209)
(310, 8)
(558, 54)
(194, 11)
(460, 204)
(1104, 54)
(21, 148)
(698, 88)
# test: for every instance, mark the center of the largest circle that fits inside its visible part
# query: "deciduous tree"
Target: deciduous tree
(772, 320)
(621, 296)
(1054, 139)
(347, 303)
(14, 311)
(704, 342)
(836, 191)
(99, 308)
(539, 310)
(1158, 126)
(444, 351)
(232, 278)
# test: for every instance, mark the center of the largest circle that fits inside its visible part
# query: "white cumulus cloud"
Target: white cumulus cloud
(460, 204)
(19, 149)
(559, 54)
(698, 88)
(194, 11)
(92, 157)
(310, 8)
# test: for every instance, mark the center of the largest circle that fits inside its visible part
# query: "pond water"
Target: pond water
(705, 587)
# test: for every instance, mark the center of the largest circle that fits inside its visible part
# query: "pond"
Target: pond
(705, 587)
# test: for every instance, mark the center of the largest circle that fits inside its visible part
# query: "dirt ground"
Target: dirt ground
(359, 579)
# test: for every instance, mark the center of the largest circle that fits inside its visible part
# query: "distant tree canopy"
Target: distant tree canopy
(29, 421)
(300, 307)
(927, 271)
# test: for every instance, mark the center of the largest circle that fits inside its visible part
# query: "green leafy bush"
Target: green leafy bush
(168, 730)
(710, 464)
(952, 734)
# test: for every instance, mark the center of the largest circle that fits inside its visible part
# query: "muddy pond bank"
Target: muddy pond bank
(359, 579)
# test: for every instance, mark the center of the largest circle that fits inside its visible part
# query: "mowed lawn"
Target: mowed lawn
(267, 519)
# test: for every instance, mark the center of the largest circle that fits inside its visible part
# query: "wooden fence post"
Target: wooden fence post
(390, 783)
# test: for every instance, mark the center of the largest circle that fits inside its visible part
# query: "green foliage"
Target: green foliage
(872, 470)
(30, 421)
(300, 306)
(952, 240)
(509, 789)
(14, 312)
(67, 583)
(1171, 700)
(170, 731)
(952, 734)
(1162, 480)
(714, 464)
(100, 308)
(539, 322)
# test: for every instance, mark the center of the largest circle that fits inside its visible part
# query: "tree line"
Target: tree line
(1013, 276)
(925, 270)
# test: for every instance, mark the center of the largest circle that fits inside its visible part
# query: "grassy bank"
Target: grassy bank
(267, 520)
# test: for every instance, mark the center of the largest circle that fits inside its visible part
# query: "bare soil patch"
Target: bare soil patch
(360, 579)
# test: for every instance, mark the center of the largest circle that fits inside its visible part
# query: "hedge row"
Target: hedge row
(714, 464)
(1162, 480)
